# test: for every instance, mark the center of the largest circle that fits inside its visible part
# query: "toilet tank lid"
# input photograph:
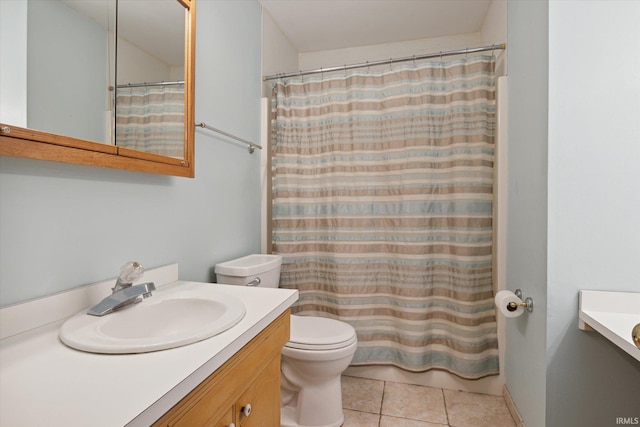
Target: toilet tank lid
(249, 265)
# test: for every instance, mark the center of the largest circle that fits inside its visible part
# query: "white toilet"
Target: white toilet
(319, 350)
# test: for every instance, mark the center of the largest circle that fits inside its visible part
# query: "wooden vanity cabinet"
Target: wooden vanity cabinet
(244, 391)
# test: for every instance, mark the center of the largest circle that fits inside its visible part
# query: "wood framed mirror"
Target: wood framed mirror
(127, 104)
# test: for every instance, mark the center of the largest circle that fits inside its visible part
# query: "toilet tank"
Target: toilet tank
(246, 270)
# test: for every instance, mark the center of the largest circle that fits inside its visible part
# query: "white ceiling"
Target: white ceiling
(313, 25)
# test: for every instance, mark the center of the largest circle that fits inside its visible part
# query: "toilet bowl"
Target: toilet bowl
(313, 360)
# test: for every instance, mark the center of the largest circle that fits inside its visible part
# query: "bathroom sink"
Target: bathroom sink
(169, 319)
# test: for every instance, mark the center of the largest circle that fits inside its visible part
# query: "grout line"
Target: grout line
(446, 411)
(384, 387)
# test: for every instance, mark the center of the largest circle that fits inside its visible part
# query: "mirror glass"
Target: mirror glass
(150, 69)
(99, 82)
(61, 66)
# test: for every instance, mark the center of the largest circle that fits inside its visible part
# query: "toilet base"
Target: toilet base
(288, 419)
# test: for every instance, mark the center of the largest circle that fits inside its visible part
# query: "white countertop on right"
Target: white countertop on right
(612, 314)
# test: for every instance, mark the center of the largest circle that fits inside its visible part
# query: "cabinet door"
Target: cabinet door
(202, 415)
(259, 406)
(226, 421)
(251, 376)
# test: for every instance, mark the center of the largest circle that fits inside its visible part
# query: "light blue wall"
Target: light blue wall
(594, 204)
(573, 204)
(525, 360)
(62, 226)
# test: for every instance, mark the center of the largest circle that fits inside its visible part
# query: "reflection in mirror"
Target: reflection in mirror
(60, 127)
(60, 69)
(150, 87)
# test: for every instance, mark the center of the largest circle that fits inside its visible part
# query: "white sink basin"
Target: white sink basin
(166, 320)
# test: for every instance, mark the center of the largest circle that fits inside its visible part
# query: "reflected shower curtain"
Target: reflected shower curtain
(382, 209)
(151, 119)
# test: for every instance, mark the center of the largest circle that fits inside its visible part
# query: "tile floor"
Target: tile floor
(373, 403)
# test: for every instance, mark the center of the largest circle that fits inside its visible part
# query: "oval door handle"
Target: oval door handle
(246, 410)
(635, 335)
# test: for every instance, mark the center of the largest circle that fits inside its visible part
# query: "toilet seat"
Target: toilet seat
(320, 333)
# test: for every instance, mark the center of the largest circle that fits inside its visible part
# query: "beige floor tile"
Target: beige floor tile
(361, 394)
(387, 421)
(476, 410)
(414, 402)
(360, 419)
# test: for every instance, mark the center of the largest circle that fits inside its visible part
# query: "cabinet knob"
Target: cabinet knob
(232, 425)
(246, 410)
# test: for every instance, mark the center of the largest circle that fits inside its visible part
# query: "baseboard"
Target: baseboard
(512, 407)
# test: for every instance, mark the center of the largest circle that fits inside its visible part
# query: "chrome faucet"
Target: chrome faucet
(123, 293)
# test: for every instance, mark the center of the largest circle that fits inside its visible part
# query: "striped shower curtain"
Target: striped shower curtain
(382, 209)
(151, 119)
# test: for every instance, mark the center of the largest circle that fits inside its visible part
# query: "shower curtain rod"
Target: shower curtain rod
(178, 82)
(387, 61)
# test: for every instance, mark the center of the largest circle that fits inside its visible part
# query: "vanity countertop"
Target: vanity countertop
(45, 382)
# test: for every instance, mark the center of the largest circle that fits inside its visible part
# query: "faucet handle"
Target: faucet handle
(131, 271)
